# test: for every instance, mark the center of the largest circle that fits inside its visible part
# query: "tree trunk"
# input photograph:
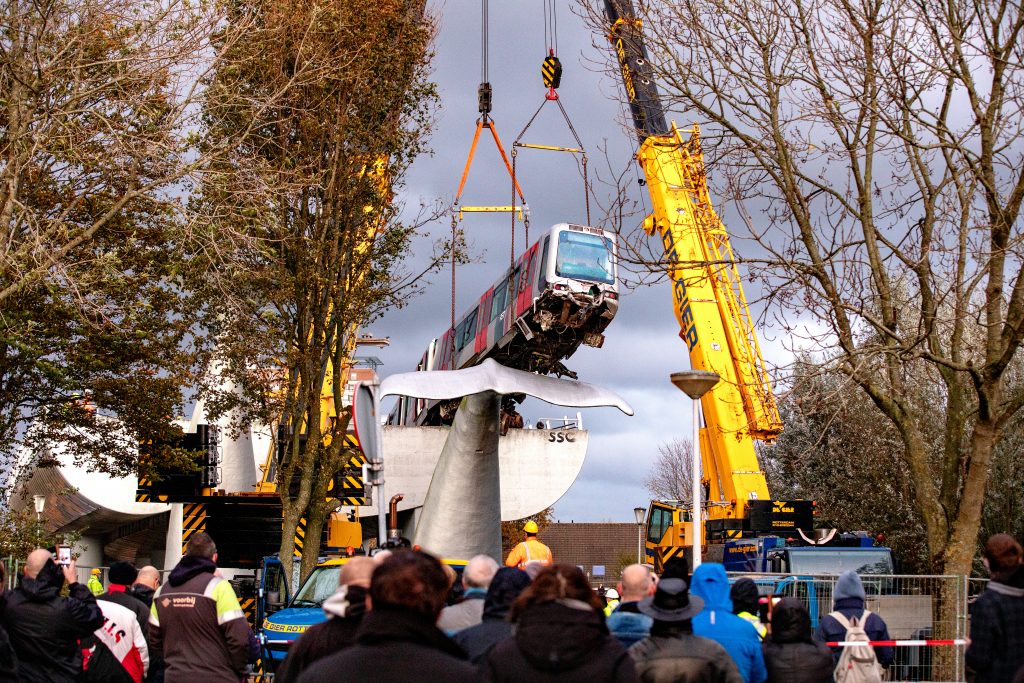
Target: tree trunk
(290, 515)
(958, 556)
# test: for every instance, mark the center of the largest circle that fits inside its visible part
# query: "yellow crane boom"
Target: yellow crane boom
(714, 318)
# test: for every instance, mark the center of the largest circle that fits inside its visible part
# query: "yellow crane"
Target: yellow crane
(714, 319)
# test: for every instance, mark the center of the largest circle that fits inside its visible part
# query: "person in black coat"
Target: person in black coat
(44, 627)
(996, 651)
(790, 654)
(505, 587)
(8, 659)
(672, 653)
(398, 640)
(344, 610)
(560, 636)
(146, 583)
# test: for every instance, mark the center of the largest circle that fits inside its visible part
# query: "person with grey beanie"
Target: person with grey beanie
(849, 599)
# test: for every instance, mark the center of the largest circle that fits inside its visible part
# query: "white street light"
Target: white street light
(40, 503)
(638, 513)
(695, 384)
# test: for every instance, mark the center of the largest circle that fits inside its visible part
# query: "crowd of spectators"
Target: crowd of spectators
(388, 621)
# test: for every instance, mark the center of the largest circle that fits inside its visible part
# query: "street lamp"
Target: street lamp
(40, 503)
(638, 512)
(695, 384)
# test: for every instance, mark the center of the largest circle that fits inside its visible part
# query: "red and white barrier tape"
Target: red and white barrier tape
(895, 643)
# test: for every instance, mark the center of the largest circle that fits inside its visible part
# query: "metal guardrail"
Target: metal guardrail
(915, 608)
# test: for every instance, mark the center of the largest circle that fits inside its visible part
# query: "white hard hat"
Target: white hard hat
(612, 594)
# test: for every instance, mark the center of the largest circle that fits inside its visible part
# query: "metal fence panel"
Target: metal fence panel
(913, 607)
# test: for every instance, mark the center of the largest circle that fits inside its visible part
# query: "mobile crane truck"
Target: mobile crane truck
(742, 525)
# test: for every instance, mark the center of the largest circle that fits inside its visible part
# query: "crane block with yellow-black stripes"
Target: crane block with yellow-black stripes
(551, 71)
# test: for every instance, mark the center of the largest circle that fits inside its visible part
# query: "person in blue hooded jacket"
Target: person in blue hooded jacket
(717, 622)
(849, 599)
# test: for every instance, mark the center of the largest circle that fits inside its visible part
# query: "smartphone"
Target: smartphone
(64, 555)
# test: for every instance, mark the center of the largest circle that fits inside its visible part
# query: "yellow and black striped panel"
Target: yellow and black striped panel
(300, 537)
(248, 606)
(193, 520)
(351, 487)
(664, 554)
(142, 493)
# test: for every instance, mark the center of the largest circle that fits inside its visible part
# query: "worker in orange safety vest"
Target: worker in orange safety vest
(530, 551)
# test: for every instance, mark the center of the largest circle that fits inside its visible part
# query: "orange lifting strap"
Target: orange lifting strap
(480, 124)
(484, 106)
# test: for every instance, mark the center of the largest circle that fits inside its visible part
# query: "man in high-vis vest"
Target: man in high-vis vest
(530, 551)
(196, 623)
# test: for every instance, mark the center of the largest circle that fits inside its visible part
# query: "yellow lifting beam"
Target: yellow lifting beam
(518, 210)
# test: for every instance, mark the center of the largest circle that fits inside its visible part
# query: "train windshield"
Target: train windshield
(584, 256)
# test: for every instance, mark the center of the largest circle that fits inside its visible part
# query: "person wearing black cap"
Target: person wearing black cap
(790, 654)
(672, 653)
(506, 586)
(120, 577)
(745, 599)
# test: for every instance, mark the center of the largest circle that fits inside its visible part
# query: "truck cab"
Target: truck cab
(804, 572)
(777, 555)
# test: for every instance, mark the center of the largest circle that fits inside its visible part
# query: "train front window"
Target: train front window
(583, 256)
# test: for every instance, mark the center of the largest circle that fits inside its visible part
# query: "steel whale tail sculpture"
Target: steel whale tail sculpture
(461, 514)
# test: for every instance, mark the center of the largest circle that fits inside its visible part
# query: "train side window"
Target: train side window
(543, 264)
(460, 331)
(465, 332)
(471, 328)
(524, 281)
(499, 300)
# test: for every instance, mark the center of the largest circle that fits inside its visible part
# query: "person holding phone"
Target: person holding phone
(43, 626)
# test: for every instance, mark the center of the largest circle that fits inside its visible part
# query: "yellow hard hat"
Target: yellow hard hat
(96, 571)
(530, 527)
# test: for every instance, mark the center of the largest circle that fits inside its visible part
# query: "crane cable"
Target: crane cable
(484, 101)
(551, 74)
(550, 26)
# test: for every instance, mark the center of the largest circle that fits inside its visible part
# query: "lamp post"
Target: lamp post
(695, 383)
(638, 513)
(40, 504)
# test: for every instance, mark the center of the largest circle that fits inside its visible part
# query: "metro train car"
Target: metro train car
(561, 292)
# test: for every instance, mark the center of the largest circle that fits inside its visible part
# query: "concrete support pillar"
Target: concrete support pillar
(172, 547)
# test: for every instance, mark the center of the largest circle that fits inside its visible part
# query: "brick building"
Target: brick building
(601, 549)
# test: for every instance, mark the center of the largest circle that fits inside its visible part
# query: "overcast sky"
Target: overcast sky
(642, 346)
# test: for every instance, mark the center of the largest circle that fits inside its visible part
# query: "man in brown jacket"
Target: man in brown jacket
(196, 622)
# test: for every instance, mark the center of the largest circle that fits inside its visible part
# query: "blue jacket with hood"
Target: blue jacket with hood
(717, 622)
(849, 598)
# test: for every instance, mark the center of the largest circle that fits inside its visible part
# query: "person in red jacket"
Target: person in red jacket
(117, 651)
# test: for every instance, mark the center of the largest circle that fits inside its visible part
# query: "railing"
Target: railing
(564, 422)
(915, 608)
